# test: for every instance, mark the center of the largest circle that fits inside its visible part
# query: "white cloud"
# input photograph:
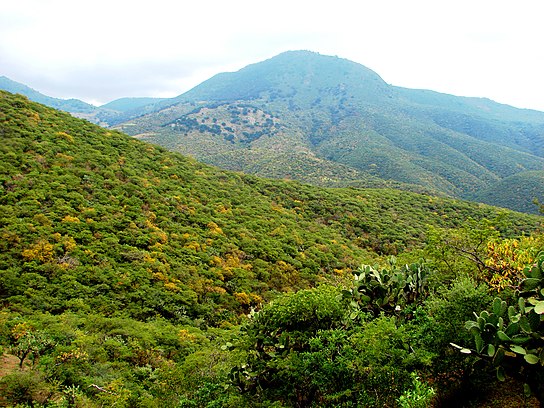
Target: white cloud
(475, 48)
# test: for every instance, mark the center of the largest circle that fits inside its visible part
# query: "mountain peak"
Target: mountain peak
(290, 72)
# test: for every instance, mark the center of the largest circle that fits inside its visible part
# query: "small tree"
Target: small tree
(27, 343)
(279, 334)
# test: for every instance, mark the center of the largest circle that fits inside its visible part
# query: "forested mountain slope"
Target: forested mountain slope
(332, 122)
(520, 187)
(128, 223)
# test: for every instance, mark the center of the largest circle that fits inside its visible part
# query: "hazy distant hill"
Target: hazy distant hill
(128, 104)
(330, 121)
(108, 114)
(68, 105)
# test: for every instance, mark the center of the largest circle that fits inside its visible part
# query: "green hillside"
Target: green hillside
(110, 210)
(133, 276)
(332, 122)
(305, 108)
(523, 189)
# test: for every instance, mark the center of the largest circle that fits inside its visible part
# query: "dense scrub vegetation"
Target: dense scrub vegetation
(133, 276)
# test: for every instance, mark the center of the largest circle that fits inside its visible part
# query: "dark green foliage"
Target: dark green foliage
(278, 337)
(299, 356)
(301, 352)
(451, 306)
(26, 388)
(440, 321)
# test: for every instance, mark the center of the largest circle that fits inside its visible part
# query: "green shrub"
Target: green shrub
(419, 396)
(442, 321)
(25, 387)
(452, 306)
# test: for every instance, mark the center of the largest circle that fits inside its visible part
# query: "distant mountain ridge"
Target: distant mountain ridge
(309, 74)
(112, 112)
(330, 121)
(69, 105)
(129, 104)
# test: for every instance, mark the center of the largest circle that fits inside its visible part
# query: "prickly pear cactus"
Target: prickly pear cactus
(513, 335)
(389, 289)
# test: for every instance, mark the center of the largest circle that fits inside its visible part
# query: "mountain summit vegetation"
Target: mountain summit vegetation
(132, 276)
(333, 122)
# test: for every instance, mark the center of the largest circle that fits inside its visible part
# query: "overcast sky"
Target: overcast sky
(101, 50)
